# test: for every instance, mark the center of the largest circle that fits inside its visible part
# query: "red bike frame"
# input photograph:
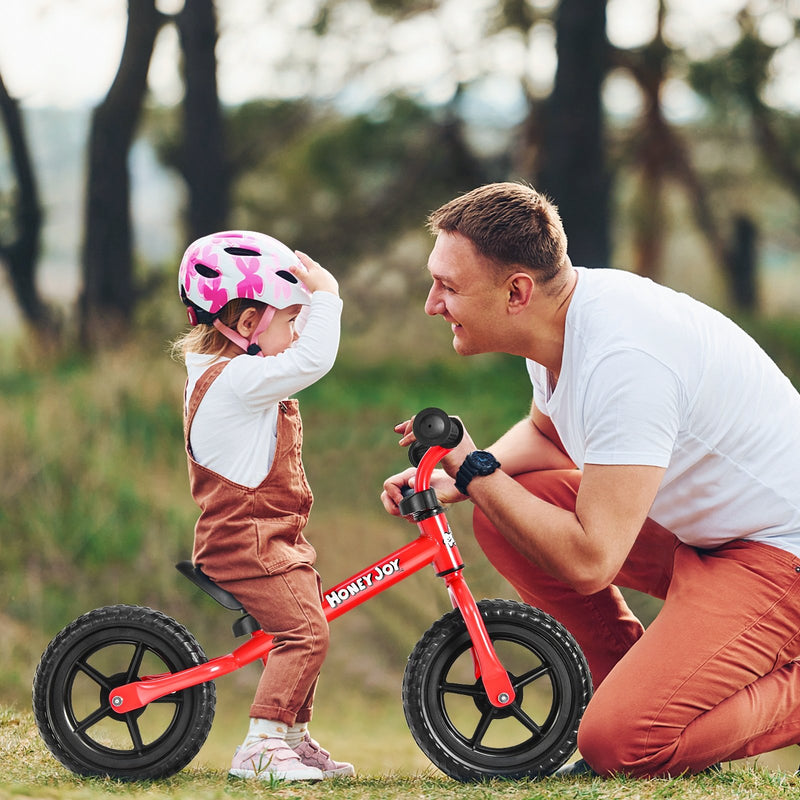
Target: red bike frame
(434, 545)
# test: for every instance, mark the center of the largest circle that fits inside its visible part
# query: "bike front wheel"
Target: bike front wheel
(449, 713)
(97, 653)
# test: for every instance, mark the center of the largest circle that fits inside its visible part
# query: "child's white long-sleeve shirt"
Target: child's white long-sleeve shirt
(235, 428)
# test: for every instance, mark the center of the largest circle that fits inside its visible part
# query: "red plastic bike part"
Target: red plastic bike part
(435, 545)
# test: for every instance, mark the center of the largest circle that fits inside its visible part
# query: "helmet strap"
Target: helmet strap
(249, 346)
(253, 348)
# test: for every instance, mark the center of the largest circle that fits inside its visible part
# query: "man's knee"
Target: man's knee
(614, 743)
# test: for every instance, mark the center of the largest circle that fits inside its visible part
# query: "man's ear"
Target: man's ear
(521, 288)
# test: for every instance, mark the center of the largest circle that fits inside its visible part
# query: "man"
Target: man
(660, 454)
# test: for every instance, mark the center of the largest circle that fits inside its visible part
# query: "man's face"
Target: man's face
(466, 293)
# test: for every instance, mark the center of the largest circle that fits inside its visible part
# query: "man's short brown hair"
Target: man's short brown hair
(510, 224)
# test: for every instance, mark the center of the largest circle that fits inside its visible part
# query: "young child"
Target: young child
(245, 355)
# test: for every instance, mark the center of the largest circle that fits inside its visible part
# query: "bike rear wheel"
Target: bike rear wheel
(449, 713)
(95, 654)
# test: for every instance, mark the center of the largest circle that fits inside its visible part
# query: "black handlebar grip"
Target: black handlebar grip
(415, 453)
(433, 427)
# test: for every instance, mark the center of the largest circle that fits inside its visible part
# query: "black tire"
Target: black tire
(99, 651)
(450, 716)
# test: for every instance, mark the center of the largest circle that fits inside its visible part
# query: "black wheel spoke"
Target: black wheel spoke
(480, 730)
(95, 675)
(526, 720)
(136, 662)
(93, 719)
(530, 677)
(133, 730)
(175, 699)
(467, 689)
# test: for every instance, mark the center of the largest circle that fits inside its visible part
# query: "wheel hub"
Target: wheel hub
(114, 682)
(483, 704)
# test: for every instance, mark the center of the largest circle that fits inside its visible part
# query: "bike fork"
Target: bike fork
(496, 682)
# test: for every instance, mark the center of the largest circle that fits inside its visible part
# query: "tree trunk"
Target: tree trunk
(21, 253)
(572, 163)
(108, 298)
(202, 160)
(743, 263)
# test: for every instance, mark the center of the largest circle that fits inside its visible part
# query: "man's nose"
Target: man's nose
(433, 304)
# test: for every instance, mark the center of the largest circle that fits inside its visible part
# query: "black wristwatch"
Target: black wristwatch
(478, 462)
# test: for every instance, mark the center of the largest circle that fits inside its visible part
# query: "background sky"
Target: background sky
(65, 53)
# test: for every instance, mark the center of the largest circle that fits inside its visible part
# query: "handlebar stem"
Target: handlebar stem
(426, 466)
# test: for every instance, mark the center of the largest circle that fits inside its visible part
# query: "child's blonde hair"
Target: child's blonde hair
(206, 338)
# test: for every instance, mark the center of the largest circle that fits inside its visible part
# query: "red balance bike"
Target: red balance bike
(494, 688)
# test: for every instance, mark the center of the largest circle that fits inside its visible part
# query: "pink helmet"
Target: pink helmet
(221, 267)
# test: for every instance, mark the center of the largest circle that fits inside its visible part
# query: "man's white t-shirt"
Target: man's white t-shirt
(651, 376)
(235, 428)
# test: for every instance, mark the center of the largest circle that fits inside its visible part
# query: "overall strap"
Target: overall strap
(201, 387)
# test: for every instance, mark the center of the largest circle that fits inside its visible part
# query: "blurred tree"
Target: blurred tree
(201, 159)
(347, 186)
(21, 222)
(571, 161)
(561, 147)
(734, 82)
(109, 290)
(658, 154)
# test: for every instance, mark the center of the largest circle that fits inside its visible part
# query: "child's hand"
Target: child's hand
(313, 275)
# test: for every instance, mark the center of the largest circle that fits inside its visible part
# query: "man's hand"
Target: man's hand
(441, 483)
(442, 480)
(453, 460)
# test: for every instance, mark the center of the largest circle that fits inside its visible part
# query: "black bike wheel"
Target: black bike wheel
(456, 726)
(93, 655)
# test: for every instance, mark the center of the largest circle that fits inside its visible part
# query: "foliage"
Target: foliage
(347, 186)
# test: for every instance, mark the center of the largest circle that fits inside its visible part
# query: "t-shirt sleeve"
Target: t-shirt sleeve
(632, 410)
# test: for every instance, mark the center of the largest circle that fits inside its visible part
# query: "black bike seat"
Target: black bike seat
(201, 580)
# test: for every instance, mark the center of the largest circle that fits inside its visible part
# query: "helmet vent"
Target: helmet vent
(207, 272)
(242, 251)
(287, 276)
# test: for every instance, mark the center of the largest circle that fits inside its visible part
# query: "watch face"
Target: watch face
(482, 460)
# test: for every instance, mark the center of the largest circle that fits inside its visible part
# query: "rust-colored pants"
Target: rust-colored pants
(288, 605)
(713, 678)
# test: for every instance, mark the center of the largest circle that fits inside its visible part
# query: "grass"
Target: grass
(30, 772)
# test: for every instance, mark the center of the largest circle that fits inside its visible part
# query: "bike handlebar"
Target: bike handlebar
(433, 428)
(436, 434)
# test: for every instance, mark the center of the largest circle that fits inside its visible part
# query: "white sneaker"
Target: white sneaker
(312, 755)
(272, 759)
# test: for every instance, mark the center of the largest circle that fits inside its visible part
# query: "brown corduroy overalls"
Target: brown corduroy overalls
(250, 541)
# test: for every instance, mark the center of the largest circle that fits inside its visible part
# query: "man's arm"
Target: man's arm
(587, 548)
(532, 444)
